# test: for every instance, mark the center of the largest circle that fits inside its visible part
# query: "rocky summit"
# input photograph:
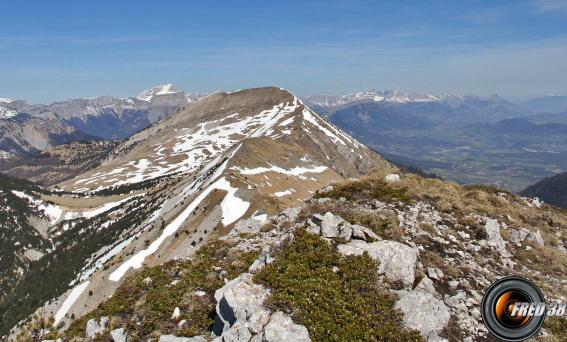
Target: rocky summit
(247, 217)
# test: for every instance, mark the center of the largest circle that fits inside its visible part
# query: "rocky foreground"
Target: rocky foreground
(387, 257)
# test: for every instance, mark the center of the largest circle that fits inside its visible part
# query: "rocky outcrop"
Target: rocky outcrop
(422, 302)
(241, 315)
(397, 261)
(94, 328)
(172, 338)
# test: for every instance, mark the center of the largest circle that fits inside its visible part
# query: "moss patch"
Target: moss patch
(347, 305)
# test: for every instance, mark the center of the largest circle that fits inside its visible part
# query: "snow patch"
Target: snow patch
(73, 296)
(233, 208)
(296, 171)
(283, 193)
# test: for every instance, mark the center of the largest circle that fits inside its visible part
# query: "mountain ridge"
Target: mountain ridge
(188, 179)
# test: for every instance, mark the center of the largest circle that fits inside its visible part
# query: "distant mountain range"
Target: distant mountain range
(547, 104)
(30, 128)
(446, 107)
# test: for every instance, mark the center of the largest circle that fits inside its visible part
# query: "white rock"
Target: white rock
(426, 285)
(493, 230)
(258, 320)
(416, 305)
(363, 233)
(237, 333)
(392, 177)
(118, 335)
(397, 260)
(173, 338)
(345, 231)
(312, 228)
(237, 301)
(249, 226)
(518, 235)
(93, 327)
(536, 238)
(435, 273)
(330, 225)
(282, 329)
(176, 313)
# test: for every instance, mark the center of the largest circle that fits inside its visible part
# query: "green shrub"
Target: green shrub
(347, 305)
(364, 189)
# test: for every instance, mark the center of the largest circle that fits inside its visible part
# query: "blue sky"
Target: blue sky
(55, 50)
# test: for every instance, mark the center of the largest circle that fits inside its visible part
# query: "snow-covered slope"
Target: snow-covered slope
(165, 89)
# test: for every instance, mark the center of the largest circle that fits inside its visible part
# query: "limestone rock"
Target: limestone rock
(392, 177)
(172, 338)
(264, 259)
(493, 230)
(535, 238)
(118, 335)
(249, 226)
(435, 273)
(362, 233)
(518, 235)
(397, 261)
(329, 224)
(282, 329)
(93, 327)
(419, 304)
(176, 314)
(237, 301)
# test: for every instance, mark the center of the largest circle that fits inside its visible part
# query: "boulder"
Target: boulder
(281, 328)
(418, 304)
(536, 238)
(118, 335)
(93, 327)
(237, 301)
(519, 235)
(392, 177)
(330, 225)
(173, 338)
(493, 230)
(363, 233)
(264, 259)
(312, 228)
(290, 214)
(397, 261)
(249, 226)
(176, 314)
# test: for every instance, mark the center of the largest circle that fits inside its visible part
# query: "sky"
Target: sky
(57, 50)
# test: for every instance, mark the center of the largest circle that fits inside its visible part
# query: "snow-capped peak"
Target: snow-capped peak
(159, 90)
(4, 100)
(6, 113)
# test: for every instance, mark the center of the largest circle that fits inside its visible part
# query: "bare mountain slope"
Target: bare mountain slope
(59, 163)
(33, 134)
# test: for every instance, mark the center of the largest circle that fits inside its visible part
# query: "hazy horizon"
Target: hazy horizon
(53, 51)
